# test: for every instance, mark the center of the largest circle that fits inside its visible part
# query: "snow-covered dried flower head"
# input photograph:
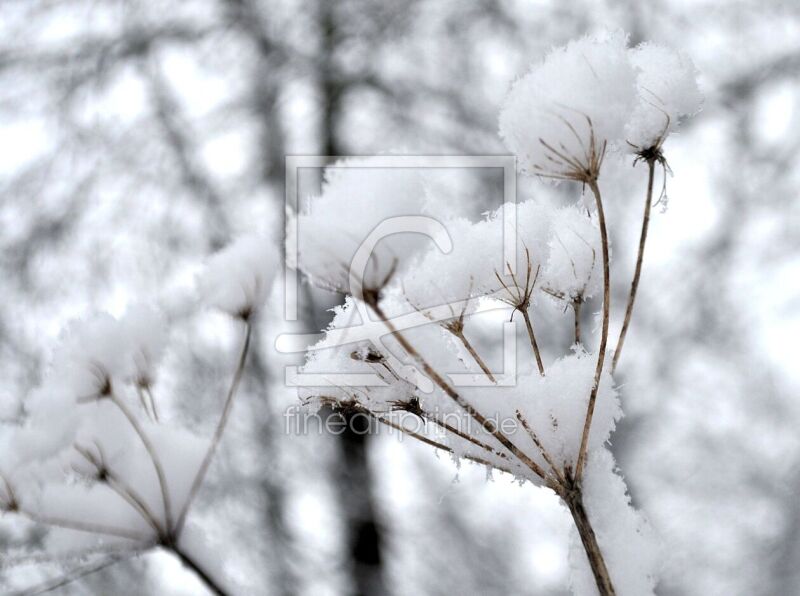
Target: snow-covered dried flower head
(93, 353)
(146, 331)
(559, 118)
(477, 265)
(667, 89)
(573, 269)
(238, 279)
(97, 359)
(100, 352)
(367, 219)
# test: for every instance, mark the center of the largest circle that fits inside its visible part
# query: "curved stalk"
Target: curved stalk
(130, 496)
(455, 396)
(651, 165)
(153, 408)
(77, 574)
(601, 352)
(151, 450)
(199, 571)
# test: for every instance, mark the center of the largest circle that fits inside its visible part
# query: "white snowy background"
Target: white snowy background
(136, 138)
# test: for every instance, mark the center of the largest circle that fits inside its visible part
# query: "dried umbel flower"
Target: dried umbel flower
(356, 198)
(562, 116)
(238, 279)
(560, 120)
(666, 82)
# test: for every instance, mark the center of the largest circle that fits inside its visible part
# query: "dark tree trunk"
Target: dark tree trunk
(355, 486)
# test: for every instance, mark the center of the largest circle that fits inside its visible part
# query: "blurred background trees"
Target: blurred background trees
(138, 136)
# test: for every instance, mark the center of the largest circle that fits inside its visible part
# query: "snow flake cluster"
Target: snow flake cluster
(595, 93)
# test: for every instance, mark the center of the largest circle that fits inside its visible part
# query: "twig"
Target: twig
(201, 472)
(450, 392)
(651, 166)
(75, 575)
(559, 476)
(459, 433)
(143, 402)
(475, 356)
(601, 352)
(151, 451)
(199, 570)
(521, 302)
(149, 392)
(576, 306)
(532, 338)
(119, 486)
(573, 497)
(437, 445)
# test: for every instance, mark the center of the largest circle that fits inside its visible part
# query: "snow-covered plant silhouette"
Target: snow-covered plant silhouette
(584, 101)
(96, 461)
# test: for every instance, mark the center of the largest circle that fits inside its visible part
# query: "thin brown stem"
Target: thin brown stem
(143, 402)
(532, 338)
(223, 421)
(76, 574)
(651, 166)
(454, 395)
(151, 451)
(130, 496)
(437, 445)
(576, 306)
(601, 352)
(117, 484)
(475, 356)
(460, 433)
(574, 502)
(534, 437)
(149, 392)
(189, 562)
